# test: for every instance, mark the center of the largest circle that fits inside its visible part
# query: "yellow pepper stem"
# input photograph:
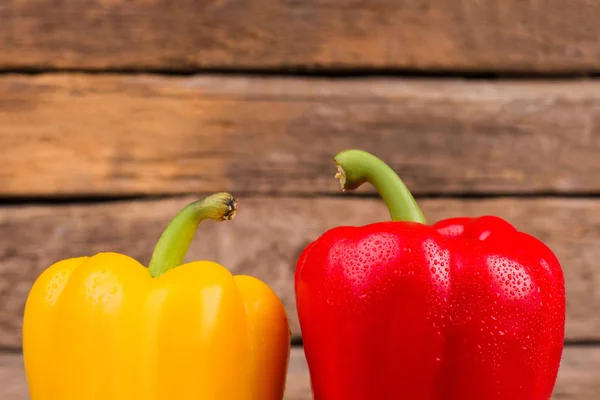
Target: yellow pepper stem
(173, 245)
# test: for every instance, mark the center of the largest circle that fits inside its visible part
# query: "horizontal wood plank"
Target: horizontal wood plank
(577, 378)
(267, 237)
(98, 135)
(13, 383)
(471, 35)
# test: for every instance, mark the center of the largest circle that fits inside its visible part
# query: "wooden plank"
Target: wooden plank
(267, 237)
(577, 378)
(13, 384)
(507, 35)
(81, 135)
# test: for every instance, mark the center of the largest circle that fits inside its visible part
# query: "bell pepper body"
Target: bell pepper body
(466, 309)
(400, 310)
(102, 327)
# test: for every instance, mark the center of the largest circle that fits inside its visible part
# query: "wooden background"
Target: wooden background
(114, 114)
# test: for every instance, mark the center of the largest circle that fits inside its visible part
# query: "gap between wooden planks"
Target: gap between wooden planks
(267, 237)
(577, 377)
(427, 35)
(78, 135)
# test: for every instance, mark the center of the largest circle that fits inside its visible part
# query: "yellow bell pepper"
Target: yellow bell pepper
(108, 328)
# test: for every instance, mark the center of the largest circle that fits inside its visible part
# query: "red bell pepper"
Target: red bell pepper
(465, 309)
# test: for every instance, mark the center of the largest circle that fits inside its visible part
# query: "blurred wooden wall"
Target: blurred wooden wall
(114, 114)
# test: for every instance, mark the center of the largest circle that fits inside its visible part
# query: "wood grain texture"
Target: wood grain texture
(82, 135)
(267, 237)
(577, 378)
(499, 35)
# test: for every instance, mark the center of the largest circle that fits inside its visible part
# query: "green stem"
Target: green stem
(356, 167)
(175, 241)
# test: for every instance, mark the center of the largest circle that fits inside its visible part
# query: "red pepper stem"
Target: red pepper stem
(356, 167)
(174, 243)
